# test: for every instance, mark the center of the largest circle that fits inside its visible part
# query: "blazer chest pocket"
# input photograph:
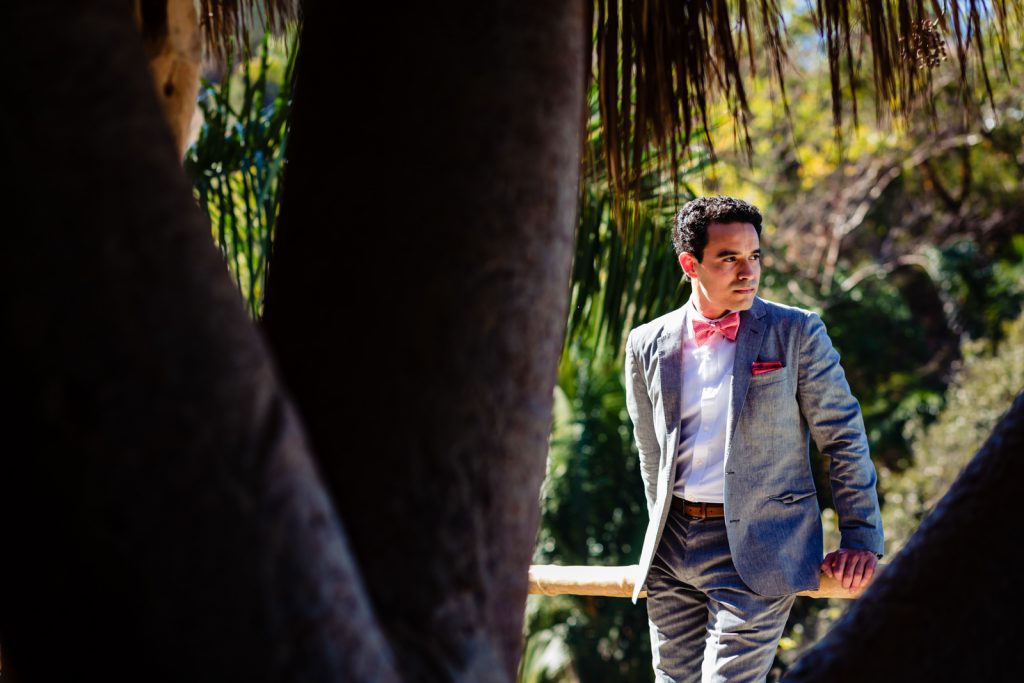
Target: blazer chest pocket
(767, 378)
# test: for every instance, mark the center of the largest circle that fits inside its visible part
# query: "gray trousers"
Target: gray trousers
(706, 625)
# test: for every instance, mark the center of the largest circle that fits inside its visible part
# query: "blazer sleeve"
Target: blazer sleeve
(837, 427)
(641, 412)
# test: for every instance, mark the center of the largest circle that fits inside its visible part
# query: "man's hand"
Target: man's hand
(852, 568)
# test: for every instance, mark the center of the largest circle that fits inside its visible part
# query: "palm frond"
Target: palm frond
(624, 270)
(226, 24)
(661, 65)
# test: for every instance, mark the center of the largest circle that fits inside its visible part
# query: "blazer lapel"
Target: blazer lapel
(748, 344)
(670, 358)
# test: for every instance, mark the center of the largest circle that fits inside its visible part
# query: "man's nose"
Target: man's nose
(746, 271)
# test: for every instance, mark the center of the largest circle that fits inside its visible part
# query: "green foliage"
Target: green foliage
(593, 513)
(620, 274)
(236, 164)
(988, 378)
(882, 345)
(984, 291)
(593, 493)
(546, 656)
(625, 269)
(895, 334)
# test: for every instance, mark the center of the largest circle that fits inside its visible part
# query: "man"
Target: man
(724, 394)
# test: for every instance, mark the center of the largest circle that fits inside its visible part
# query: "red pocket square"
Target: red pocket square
(761, 367)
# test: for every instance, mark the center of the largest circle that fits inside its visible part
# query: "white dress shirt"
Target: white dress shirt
(706, 395)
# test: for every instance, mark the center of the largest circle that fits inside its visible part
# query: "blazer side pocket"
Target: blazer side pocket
(788, 498)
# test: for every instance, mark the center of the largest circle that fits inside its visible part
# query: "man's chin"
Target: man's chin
(744, 301)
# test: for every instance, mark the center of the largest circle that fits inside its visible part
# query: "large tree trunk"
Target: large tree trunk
(948, 607)
(449, 172)
(160, 517)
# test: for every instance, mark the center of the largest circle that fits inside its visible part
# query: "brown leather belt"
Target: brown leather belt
(698, 510)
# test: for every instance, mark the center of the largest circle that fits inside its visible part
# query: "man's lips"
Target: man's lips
(744, 290)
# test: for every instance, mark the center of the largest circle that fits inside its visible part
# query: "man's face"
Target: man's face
(726, 280)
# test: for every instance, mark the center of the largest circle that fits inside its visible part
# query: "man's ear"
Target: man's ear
(688, 263)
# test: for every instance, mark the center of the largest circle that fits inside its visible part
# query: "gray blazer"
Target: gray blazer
(772, 516)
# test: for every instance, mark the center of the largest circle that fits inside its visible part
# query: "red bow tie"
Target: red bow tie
(728, 326)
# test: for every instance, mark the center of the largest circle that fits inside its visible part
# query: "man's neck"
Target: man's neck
(707, 309)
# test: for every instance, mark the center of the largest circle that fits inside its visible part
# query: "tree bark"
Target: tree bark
(173, 48)
(948, 606)
(417, 298)
(160, 515)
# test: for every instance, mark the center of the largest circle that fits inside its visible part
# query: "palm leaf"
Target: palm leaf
(228, 24)
(661, 65)
(625, 268)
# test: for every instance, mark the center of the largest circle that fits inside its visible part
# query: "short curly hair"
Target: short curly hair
(690, 227)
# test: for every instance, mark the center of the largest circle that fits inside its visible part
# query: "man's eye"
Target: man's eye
(756, 257)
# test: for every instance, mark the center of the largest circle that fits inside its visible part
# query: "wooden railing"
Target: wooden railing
(618, 582)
